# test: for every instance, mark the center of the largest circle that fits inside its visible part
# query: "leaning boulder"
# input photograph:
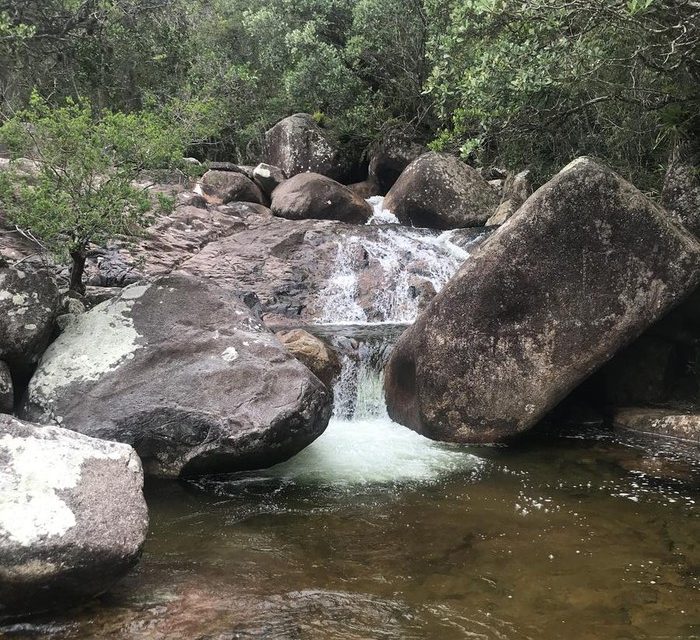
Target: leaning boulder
(181, 370)
(29, 303)
(439, 191)
(318, 356)
(298, 144)
(7, 394)
(584, 266)
(72, 516)
(230, 186)
(311, 195)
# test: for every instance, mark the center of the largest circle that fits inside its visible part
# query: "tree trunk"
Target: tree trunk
(77, 268)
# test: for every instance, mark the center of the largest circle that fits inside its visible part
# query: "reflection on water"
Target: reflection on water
(584, 537)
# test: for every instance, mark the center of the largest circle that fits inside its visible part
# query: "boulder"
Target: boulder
(29, 303)
(230, 186)
(439, 191)
(516, 190)
(191, 199)
(7, 393)
(390, 157)
(298, 144)
(181, 370)
(73, 518)
(583, 267)
(268, 177)
(681, 192)
(664, 422)
(311, 195)
(366, 189)
(313, 352)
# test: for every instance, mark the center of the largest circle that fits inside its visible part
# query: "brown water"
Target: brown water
(578, 537)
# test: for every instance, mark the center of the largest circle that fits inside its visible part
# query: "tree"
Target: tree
(82, 187)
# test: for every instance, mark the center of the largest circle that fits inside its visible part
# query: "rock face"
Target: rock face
(29, 302)
(181, 370)
(516, 190)
(585, 265)
(311, 195)
(438, 191)
(390, 158)
(659, 422)
(7, 393)
(297, 144)
(230, 186)
(681, 192)
(312, 352)
(268, 177)
(72, 516)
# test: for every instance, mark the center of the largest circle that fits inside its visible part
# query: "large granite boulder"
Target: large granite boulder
(298, 144)
(311, 195)
(72, 516)
(29, 302)
(681, 192)
(390, 157)
(268, 177)
(584, 266)
(181, 370)
(231, 186)
(7, 393)
(439, 191)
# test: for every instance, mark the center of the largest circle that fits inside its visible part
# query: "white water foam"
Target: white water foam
(380, 215)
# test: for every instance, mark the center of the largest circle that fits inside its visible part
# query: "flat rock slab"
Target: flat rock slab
(584, 266)
(665, 422)
(72, 516)
(181, 370)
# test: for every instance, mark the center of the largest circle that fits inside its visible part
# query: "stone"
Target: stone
(29, 303)
(73, 519)
(230, 186)
(311, 195)
(664, 422)
(365, 189)
(390, 157)
(297, 144)
(516, 190)
(314, 353)
(181, 370)
(191, 199)
(7, 389)
(268, 177)
(580, 271)
(439, 191)
(681, 191)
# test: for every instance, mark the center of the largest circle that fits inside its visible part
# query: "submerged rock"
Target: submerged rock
(7, 393)
(665, 422)
(313, 352)
(439, 191)
(230, 186)
(181, 370)
(297, 144)
(29, 303)
(72, 516)
(584, 267)
(311, 195)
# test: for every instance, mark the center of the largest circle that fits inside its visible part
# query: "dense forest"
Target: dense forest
(499, 82)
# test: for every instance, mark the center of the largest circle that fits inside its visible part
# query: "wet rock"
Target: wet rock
(7, 392)
(311, 195)
(72, 516)
(681, 192)
(29, 303)
(439, 191)
(313, 352)
(584, 267)
(298, 144)
(365, 189)
(230, 186)
(182, 371)
(666, 422)
(389, 158)
(268, 177)
(516, 190)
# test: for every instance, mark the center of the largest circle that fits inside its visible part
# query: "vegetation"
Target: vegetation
(500, 82)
